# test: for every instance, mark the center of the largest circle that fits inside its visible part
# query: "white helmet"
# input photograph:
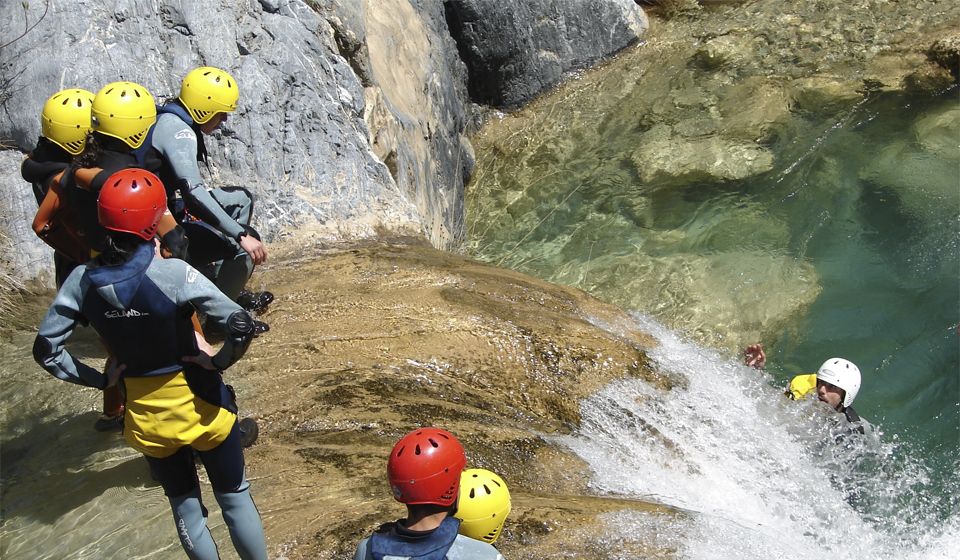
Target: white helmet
(843, 374)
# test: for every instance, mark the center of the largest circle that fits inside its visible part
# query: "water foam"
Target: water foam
(759, 475)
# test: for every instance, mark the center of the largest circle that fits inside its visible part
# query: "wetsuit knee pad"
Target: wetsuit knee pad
(238, 202)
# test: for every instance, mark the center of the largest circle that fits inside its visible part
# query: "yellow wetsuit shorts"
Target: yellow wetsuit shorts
(163, 415)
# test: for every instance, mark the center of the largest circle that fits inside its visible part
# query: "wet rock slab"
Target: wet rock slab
(369, 343)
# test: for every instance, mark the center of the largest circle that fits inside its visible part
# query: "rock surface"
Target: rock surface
(516, 50)
(364, 345)
(298, 138)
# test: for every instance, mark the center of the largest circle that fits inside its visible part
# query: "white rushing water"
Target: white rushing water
(759, 475)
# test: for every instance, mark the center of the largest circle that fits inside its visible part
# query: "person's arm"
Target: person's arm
(173, 239)
(229, 317)
(34, 171)
(177, 143)
(49, 347)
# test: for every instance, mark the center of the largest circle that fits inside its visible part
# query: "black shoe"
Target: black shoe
(259, 327)
(249, 431)
(254, 302)
(107, 423)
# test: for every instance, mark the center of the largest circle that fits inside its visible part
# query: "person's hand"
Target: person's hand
(203, 345)
(254, 248)
(113, 371)
(753, 356)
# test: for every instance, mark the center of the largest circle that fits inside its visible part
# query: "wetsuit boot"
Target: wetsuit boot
(255, 302)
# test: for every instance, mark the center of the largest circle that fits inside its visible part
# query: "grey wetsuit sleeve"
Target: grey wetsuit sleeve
(177, 143)
(49, 348)
(185, 285)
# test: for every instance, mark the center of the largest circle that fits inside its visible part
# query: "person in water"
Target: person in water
(176, 401)
(424, 471)
(217, 220)
(836, 383)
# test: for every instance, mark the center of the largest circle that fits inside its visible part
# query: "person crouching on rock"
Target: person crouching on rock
(176, 401)
(223, 245)
(424, 471)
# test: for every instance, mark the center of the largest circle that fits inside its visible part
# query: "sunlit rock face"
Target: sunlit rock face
(352, 119)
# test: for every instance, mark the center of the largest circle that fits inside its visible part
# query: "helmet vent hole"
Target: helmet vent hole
(399, 453)
(487, 488)
(493, 481)
(472, 494)
(417, 450)
(474, 475)
(433, 442)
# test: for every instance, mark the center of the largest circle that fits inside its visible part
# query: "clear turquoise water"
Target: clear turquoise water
(849, 246)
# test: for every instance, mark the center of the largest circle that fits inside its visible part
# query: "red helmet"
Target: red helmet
(425, 467)
(132, 200)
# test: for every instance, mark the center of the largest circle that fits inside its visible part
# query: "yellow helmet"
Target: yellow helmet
(206, 91)
(65, 119)
(484, 505)
(124, 110)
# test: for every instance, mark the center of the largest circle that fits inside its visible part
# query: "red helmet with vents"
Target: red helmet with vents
(132, 201)
(425, 466)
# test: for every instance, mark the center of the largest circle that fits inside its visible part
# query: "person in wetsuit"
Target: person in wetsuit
(64, 125)
(62, 221)
(123, 114)
(141, 305)
(217, 220)
(836, 383)
(424, 470)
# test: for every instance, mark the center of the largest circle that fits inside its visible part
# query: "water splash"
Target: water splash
(760, 476)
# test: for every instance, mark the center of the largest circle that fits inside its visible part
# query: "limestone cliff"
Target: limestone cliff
(352, 115)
